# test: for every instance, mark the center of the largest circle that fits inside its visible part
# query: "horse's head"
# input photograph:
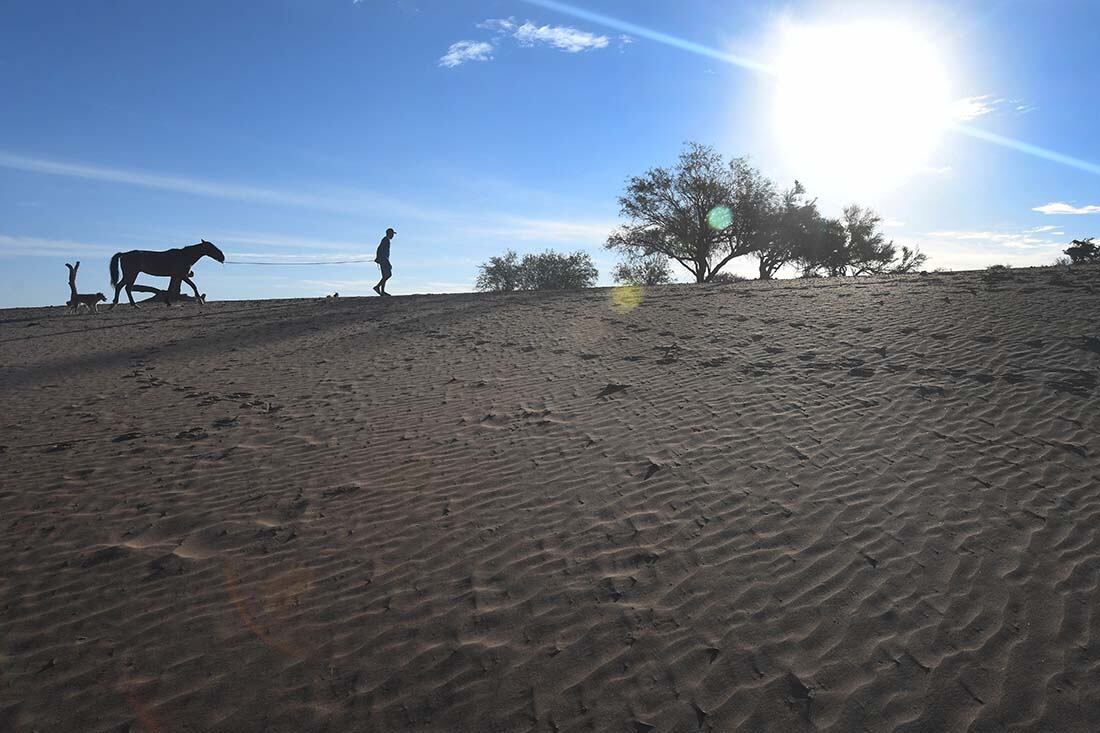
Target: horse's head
(211, 251)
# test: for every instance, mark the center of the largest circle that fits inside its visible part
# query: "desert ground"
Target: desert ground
(830, 504)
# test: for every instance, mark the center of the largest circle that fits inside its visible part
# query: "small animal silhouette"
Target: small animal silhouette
(76, 300)
(89, 301)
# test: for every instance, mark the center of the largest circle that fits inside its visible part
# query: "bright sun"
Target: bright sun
(859, 106)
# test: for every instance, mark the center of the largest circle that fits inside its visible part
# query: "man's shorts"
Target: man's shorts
(387, 271)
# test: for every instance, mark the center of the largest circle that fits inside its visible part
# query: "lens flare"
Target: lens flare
(626, 298)
(719, 217)
(269, 610)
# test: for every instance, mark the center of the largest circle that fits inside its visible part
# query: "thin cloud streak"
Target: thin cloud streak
(995, 241)
(1028, 148)
(354, 204)
(19, 246)
(499, 225)
(545, 230)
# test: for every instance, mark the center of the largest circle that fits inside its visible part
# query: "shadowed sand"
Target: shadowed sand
(827, 504)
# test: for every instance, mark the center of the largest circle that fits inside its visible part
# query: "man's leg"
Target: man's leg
(387, 271)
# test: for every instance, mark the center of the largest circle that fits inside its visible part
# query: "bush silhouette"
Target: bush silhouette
(726, 278)
(544, 271)
(646, 270)
(500, 274)
(1083, 251)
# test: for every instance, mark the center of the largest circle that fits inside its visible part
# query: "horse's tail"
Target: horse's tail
(114, 269)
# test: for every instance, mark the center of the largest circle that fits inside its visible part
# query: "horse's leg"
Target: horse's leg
(129, 283)
(118, 291)
(173, 289)
(191, 282)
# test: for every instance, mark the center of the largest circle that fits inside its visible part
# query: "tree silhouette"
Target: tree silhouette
(704, 212)
(791, 223)
(1083, 251)
(854, 245)
(701, 213)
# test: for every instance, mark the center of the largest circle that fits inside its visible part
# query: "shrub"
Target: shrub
(544, 271)
(726, 278)
(501, 274)
(997, 274)
(649, 270)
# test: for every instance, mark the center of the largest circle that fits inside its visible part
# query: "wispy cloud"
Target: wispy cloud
(1060, 207)
(527, 35)
(498, 25)
(563, 37)
(549, 231)
(18, 246)
(340, 200)
(1025, 239)
(464, 51)
(974, 249)
(150, 180)
(344, 201)
(570, 40)
(971, 108)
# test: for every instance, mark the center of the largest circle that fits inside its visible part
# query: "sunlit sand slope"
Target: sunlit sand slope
(806, 505)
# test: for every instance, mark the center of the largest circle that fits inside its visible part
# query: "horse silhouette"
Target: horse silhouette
(173, 263)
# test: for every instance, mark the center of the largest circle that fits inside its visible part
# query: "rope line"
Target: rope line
(329, 262)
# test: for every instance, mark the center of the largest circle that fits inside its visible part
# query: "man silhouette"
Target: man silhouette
(382, 257)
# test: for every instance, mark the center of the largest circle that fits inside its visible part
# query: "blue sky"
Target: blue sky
(298, 130)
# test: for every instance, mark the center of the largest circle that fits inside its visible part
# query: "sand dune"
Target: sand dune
(832, 504)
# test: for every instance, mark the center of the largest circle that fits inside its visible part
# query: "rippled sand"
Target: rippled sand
(842, 505)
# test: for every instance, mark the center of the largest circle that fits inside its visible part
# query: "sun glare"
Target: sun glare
(859, 106)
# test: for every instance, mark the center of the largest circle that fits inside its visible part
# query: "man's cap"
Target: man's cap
(391, 231)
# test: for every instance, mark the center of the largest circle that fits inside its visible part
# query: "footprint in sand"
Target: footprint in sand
(613, 388)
